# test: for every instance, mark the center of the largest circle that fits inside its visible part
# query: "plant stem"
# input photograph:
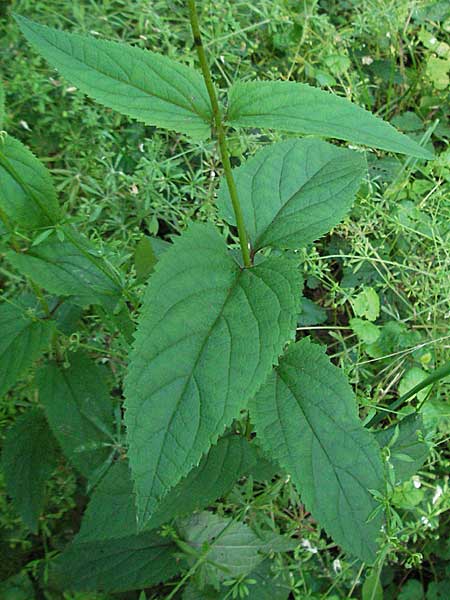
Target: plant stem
(220, 132)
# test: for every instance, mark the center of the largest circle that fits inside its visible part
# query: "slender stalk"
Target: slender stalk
(220, 132)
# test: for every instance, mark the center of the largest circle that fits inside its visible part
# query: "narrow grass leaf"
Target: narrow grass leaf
(23, 340)
(294, 192)
(2, 104)
(300, 108)
(144, 85)
(111, 512)
(79, 410)
(28, 458)
(305, 416)
(208, 334)
(27, 194)
(131, 563)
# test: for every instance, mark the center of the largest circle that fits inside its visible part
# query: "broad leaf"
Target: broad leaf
(295, 191)
(408, 450)
(232, 548)
(144, 85)
(131, 563)
(23, 340)
(70, 268)
(27, 194)
(28, 459)
(207, 337)
(299, 108)
(306, 418)
(145, 259)
(79, 410)
(112, 512)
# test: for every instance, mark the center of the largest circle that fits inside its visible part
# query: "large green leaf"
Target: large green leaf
(133, 562)
(305, 416)
(294, 191)
(23, 340)
(299, 108)
(70, 268)
(28, 459)
(207, 337)
(112, 512)
(141, 84)
(79, 410)
(27, 194)
(408, 449)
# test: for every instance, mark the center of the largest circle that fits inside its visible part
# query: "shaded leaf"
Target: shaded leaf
(111, 511)
(408, 450)
(306, 418)
(294, 192)
(28, 459)
(27, 194)
(144, 85)
(70, 268)
(79, 410)
(2, 104)
(300, 108)
(145, 259)
(23, 340)
(202, 349)
(131, 563)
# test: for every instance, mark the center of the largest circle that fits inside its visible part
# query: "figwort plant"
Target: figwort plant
(215, 339)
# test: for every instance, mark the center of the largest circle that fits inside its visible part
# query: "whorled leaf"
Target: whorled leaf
(27, 195)
(300, 108)
(294, 192)
(144, 85)
(306, 418)
(28, 458)
(208, 334)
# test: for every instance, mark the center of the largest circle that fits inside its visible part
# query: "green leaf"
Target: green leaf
(408, 450)
(367, 304)
(2, 104)
(27, 194)
(306, 418)
(23, 340)
(203, 347)
(311, 313)
(294, 191)
(79, 410)
(372, 589)
(145, 259)
(366, 331)
(144, 85)
(28, 459)
(112, 512)
(70, 268)
(230, 544)
(131, 563)
(299, 108)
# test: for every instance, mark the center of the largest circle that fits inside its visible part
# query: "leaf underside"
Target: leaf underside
(28, 459)
(27, 194)
(144, 85)
(300, 108)
(305, 416)
(111, 512)
(23, 340)
(78, 407)
(294, 192)
(208, 334)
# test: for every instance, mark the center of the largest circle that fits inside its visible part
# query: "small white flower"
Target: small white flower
(134, 189)
(141, 147)
(308, 546)
(25, 125)
(432, 40)
(437, 494)
(416, 482)
(337, 567)
(212, 174)
(71, 89)
(367, 60)
(425, 521)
